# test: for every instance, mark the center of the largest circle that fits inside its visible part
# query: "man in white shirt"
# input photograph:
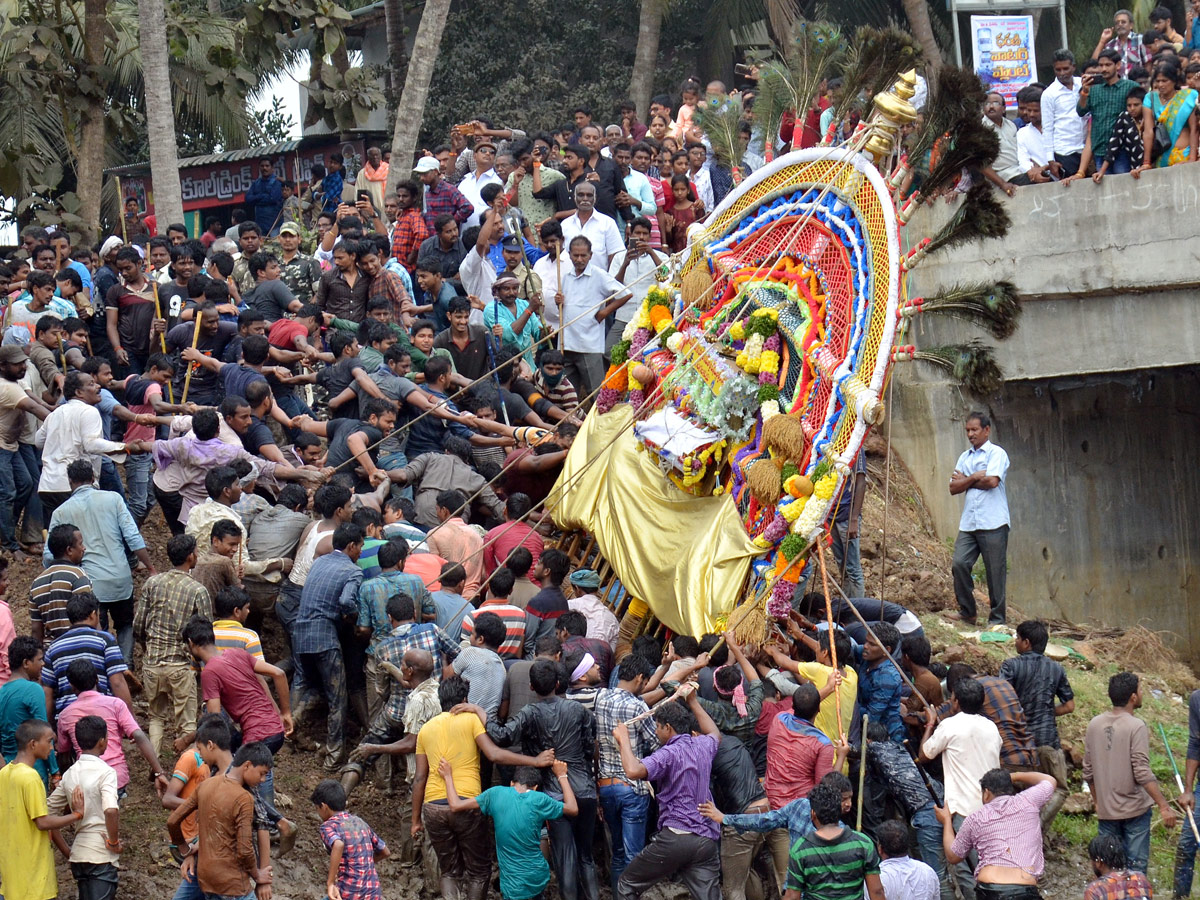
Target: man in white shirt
(969, 745)
(548, 268)
(1004, 172)
(1062, 126)
(74, 431)
(638, 196)
(983, 529)
(902, 877)
(1033, 156)
(588, 295)
(484, 174)
(634, 268)
(601, 231)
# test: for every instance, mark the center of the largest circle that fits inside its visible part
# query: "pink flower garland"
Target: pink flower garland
(780, 604)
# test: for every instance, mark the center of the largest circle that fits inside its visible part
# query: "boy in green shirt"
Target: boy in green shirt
(518, 813)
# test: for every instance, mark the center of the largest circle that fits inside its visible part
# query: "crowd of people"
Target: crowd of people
(1128, 108)
(352, 450)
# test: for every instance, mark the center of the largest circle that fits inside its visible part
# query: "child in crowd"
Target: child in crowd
(1125, 144)
(353, 847)
(97, 844)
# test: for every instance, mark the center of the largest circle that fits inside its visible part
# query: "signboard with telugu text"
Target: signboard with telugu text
(226, 183)
(1002, 50)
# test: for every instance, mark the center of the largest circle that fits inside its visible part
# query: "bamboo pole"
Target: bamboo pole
(837, 688)
(187, 379)
(862, 771)
(162, 337)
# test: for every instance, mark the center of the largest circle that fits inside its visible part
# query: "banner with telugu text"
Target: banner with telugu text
(1002, 48)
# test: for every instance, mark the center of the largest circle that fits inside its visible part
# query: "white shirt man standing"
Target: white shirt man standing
(969, 745)
(635, 268)
(484, 174)
(1062, 126)
(601, 231)
(588, 295)
(980, 474)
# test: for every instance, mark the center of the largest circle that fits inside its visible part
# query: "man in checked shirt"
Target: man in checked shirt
(1006, 832)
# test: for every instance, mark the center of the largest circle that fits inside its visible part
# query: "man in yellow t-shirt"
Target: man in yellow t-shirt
(26, 858)
(819, 673)
(462, 841)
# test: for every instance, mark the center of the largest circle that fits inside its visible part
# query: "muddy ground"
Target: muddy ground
(917, 575)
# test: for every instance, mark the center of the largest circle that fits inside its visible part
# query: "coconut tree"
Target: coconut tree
(645, 57)
(416, 88)
(160, 114)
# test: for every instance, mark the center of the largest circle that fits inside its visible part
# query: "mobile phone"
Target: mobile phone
(364, 195)
(743, 69)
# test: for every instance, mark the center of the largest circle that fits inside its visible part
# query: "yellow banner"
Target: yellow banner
(686, 556)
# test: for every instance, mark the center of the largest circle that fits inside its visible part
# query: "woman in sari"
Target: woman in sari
(1174, 108)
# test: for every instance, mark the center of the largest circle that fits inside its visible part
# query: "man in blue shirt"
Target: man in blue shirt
(847, 518)
(107, 528)
(330, 593)
(266, 196)
(983, 529)
(879, 685)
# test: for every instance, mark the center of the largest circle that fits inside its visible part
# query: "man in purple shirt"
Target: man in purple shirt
(686, 842)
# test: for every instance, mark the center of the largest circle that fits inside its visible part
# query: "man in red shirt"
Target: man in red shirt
(503, 539)
(411, 227)
(798, 754)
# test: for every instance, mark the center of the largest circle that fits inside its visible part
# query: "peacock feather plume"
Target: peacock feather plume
(993, 306)
(956, 96)
(972, 364)
(719, 120)
(971, 145)
(791, 82)
(872, 63)
(979, 216)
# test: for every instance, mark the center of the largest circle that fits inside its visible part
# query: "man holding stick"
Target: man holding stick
(680, 769)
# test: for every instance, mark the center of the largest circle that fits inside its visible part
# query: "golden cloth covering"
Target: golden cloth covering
(686, 556)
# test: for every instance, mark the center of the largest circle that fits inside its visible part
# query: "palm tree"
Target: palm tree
(416, 88)
(645, 57)
(160, 114)
(917, 12)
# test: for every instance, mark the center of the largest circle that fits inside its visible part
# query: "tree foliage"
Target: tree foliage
(568, 55)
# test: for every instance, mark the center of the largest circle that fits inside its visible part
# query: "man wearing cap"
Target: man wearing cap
(602, 625)
(484, 174)
(512, 320)
(299, 272)
(515, 265)
(598, 228)
(440, 195)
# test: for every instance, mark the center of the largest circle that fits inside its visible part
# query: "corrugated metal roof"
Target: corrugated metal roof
(213, 158)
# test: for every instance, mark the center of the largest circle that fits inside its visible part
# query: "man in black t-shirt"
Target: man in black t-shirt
(357, 439)
(187, 262)
(467, 343)
(215, 335)
(270, 296)
(347, 370)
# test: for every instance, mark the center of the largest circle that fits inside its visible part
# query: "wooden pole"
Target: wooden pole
(62, 353)
(187, 379)
(162, 337)
(837, 688)
(558, 290)
(121, 210)
(1178, 781)
(862, 771)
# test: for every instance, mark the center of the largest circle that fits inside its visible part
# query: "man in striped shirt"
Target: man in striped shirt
(84, 640)
(1006, 832)
(61, 580)
(834, 862)
(519, 626)
(232, 607)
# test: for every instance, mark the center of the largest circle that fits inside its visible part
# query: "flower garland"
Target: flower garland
(695, 465)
